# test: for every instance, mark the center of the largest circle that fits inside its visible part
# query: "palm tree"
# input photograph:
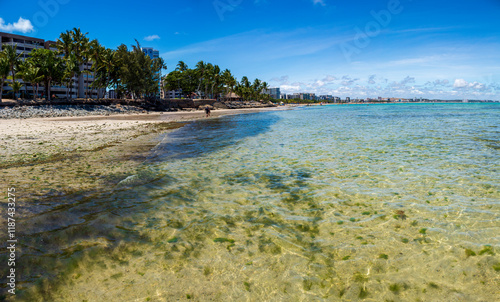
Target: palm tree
(51, 67)
(181, 66)
(23, 74)
(13, 58)
(105, 69)
(4, 71)
(244, 88)
(200, 68)
(16, 87)
(216, 81)
(256, 89)
(95, 53)
(265, 87)
(32, 75)
(64, 45)
(228, 81)
(70, 71)
(79, 44)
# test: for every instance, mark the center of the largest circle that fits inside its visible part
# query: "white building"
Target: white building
(174, 94)
(24, 45)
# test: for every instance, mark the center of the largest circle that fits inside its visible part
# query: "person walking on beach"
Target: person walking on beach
(207, 111)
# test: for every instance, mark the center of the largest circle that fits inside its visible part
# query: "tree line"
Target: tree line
(209, 81)
(129, 71)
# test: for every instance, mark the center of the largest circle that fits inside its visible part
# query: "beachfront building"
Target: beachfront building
(173, 94)
(307, 96)
(82, 85)
(273, 92)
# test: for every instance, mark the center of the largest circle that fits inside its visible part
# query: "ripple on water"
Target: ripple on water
(389, 202)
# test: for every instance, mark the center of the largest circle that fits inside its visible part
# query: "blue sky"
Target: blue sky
(390, 48)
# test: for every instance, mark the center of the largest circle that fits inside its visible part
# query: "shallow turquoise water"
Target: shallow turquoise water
(376, 202)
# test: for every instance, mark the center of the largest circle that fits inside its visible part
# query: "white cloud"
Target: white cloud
(371, 79)
(347, 81)
(460, 83)
(441, 82)
(329, 79)
(463, 84)
(320, 2)
(22, 25)
(152, 37)
(283, 80)
(288, 88)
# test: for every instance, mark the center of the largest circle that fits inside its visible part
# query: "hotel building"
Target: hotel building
(24, 45)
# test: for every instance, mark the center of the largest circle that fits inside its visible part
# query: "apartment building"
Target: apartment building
(81, 87)
(273, 92)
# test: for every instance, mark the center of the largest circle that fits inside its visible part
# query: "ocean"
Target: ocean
(389, 202)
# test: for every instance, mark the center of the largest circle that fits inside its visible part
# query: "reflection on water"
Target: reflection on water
(386, 202)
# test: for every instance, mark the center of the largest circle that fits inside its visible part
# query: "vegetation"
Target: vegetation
(131, 72)
(209, 81)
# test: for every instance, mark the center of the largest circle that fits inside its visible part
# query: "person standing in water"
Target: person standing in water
(207, 111)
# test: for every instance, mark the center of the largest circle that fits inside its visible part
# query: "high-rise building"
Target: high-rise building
(24, 45)
(152, 53)
(273, 92)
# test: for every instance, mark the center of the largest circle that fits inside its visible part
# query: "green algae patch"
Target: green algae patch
(220, 240)
(496, 267)
(469, 253)
(173, 240)
(487, 249)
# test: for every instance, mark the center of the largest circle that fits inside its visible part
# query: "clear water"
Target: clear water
(379, 202)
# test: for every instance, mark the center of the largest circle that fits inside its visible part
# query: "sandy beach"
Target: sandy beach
(48, 159)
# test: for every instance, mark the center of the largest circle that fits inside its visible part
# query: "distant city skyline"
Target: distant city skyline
(401, 49)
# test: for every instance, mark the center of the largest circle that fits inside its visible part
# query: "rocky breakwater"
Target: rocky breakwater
(66, 110)
(190, 104)
(242, 104)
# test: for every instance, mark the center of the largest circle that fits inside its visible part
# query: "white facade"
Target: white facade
(24, 45)
(174, 94)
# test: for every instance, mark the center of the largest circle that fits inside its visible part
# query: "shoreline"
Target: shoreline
(52, 161)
